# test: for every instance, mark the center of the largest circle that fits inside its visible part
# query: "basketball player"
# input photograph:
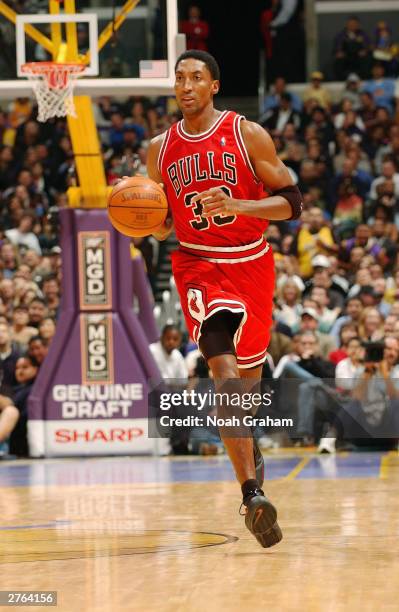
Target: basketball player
(224, 183)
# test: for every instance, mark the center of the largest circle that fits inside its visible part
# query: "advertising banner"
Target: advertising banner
(90, 396)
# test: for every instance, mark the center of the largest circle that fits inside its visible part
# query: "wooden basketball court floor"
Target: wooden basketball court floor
(164, 534)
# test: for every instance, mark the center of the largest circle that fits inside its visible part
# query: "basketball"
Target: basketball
(137, 206)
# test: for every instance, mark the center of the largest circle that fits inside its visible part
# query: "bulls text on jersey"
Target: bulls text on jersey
(202, 167)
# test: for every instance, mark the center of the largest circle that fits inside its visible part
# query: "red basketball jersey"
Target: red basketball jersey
(190, 164)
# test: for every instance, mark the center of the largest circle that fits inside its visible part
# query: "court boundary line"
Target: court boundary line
(297, 469)
(386, 464)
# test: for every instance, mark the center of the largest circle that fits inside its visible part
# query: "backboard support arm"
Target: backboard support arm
(33, 32)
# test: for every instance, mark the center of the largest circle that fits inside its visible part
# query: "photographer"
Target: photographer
(375, 410)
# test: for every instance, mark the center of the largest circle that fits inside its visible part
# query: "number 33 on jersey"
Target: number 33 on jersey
(190, 164)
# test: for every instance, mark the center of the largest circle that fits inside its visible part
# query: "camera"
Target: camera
(374, 352)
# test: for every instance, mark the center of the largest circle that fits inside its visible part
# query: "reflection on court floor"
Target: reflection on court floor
(167, 469)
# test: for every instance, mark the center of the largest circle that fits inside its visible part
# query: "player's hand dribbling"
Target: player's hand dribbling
(167, 226)
(215, 201)
(165, 229)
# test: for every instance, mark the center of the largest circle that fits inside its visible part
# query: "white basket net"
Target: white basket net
(53, 85)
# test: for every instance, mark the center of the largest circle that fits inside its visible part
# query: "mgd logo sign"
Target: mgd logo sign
(97, 349)
(94, 271)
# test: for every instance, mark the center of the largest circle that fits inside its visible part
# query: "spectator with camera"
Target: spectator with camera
(374, 411)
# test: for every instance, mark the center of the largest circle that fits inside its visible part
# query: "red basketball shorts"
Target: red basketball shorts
(240, 280)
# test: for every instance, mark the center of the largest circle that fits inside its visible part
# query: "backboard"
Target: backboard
(138, 57)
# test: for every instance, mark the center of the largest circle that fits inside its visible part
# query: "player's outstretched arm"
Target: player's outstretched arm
(154, 174)
(284, 202)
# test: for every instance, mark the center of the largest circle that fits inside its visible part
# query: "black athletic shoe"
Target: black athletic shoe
(261, 519)
(259, 464)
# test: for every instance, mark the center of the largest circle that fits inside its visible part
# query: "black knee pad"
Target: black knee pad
(217, 334)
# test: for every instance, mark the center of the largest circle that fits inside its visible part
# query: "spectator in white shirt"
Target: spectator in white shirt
(23, 235)
(168, 358)
(341, 119)
(349, 369)
(173, 369)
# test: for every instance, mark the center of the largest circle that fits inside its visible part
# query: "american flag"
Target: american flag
(153, 69)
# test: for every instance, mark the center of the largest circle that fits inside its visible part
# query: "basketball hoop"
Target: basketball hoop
(53, 84)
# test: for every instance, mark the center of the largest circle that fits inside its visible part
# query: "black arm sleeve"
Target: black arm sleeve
(294, 197)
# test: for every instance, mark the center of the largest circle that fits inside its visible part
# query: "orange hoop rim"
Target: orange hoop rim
(46, 68)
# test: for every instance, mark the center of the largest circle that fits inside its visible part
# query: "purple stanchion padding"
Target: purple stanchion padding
(91, 390)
